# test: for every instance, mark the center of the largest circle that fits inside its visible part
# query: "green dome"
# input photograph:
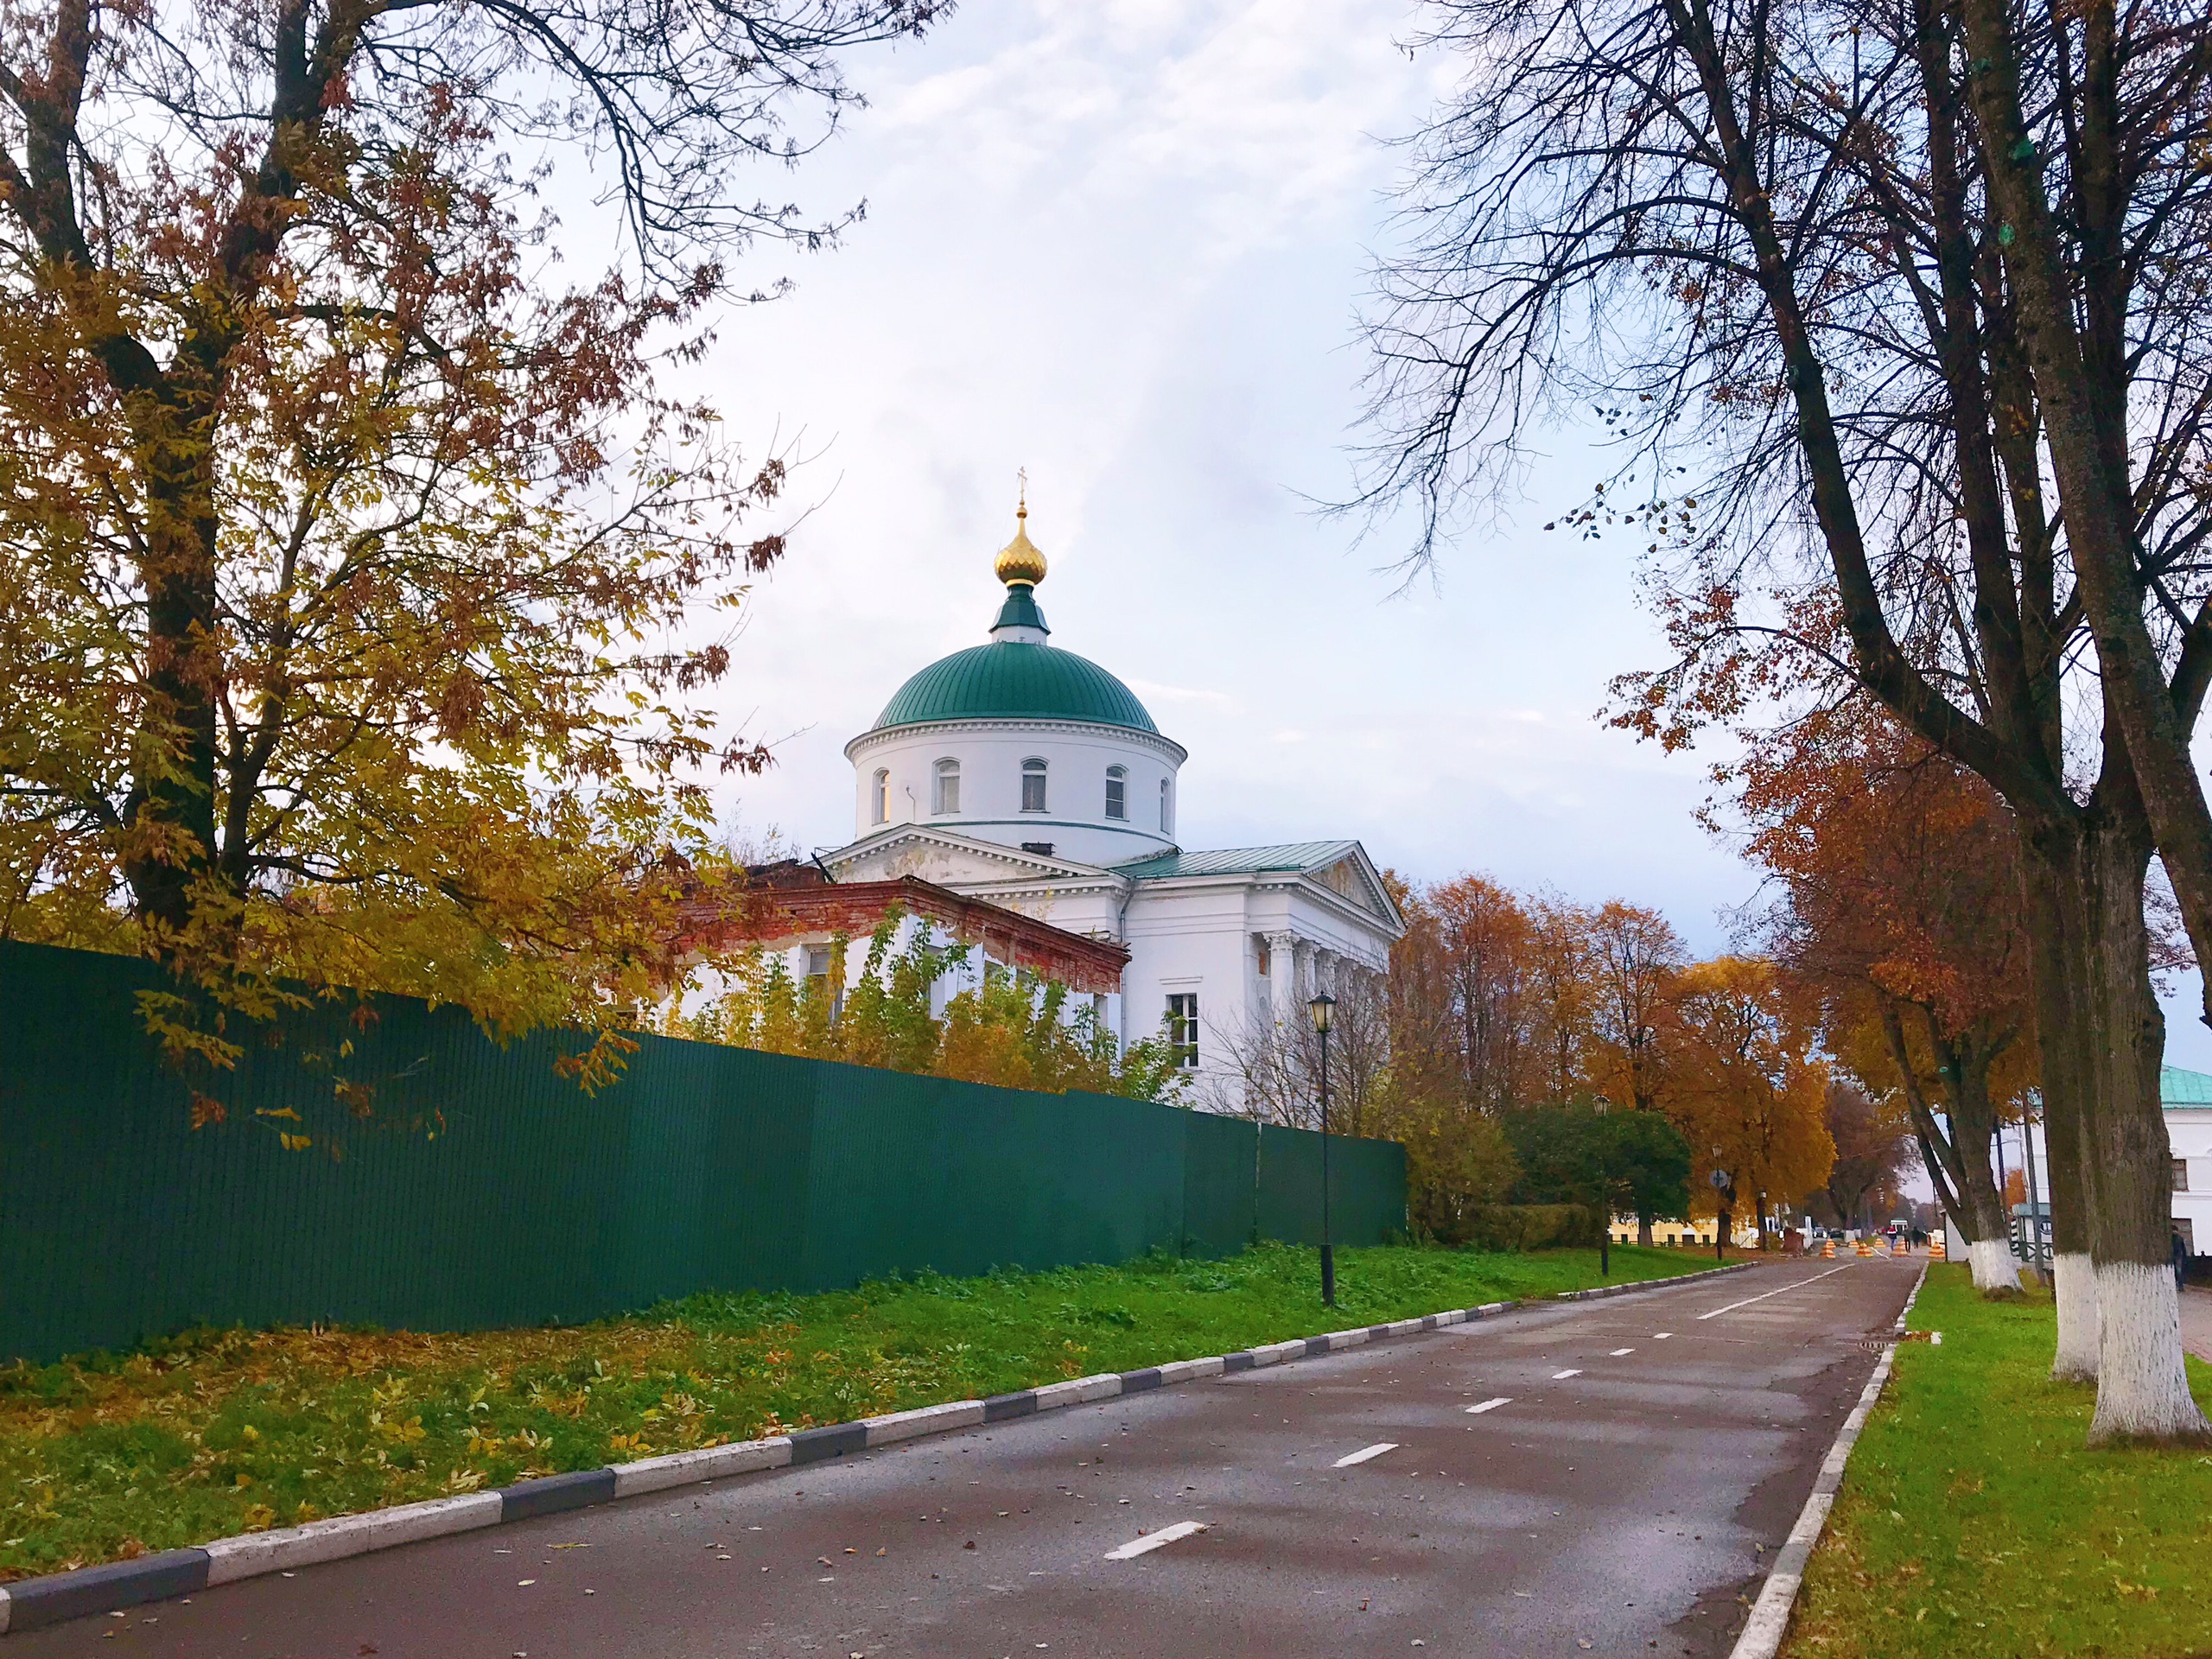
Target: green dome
(1009, 680)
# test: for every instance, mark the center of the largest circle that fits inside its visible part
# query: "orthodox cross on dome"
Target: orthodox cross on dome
(1020, 560)
(1020, 565)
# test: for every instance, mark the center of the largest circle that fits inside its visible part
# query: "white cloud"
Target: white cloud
(1121, 245)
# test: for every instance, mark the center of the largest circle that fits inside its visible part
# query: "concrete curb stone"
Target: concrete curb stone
(31, 1603)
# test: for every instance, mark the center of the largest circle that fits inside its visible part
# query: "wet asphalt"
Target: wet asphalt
(1626, 1510)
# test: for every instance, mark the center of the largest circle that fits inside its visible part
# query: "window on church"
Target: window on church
(1266, 956)
(1183, 1028)
(1117, 791)
(879, 798)
(1166, 808)
(1033, 786)
(946, 797)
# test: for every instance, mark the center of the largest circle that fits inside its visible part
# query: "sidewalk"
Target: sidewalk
(2197, 1322)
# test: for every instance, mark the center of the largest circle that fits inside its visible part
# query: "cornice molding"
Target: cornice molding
(1279, 880)
(882, 736)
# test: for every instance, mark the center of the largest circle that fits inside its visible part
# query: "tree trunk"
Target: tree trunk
(2118, 1037)
(2142, 1388)
(171, 811)
(1973, 1127)
(1643, 1228)
(1759, 1204)
(2073, 1277)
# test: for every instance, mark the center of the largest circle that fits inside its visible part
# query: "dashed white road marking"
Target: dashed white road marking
(1561, 1376)
(1617, 1352)
(1489, 1405)
(1800, 1285)
(1364, 1454)
(1137, 1546)
(1660, 1336)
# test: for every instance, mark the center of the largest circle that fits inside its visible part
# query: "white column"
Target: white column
(1282, 977)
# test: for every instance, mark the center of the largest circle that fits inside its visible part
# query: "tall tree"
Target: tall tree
(1636, 952)
(1747, 1090)
(354, 568)
(1563, 989)
(1902, 912)
(1872, 1150)
(1878, 272)
(1460, 993)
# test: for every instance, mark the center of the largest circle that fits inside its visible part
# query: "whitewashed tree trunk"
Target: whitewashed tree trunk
(1996, 1269)
(2142, 1390)
(2075, 1280)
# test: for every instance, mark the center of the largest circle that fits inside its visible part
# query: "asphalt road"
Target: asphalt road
(1638, 1460)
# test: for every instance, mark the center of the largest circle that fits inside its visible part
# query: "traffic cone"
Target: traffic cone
(1827, 1249)
(1896, 1245)
(1936, 1247)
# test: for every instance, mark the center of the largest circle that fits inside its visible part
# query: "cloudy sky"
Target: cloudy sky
(1121, 243)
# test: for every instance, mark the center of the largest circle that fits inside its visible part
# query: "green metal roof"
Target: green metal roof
(2180, 1087)
(1244, 860)
(1008, 680)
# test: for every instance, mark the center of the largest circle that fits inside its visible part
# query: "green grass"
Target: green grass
(1973, 1521)
(223, 1432)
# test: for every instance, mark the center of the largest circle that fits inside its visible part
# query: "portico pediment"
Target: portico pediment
(948, 859)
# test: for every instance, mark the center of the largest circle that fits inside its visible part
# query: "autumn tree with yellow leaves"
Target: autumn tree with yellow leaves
(358, 585)
(1746, 1087)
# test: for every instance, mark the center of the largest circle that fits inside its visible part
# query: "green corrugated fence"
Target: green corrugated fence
(481, 1189)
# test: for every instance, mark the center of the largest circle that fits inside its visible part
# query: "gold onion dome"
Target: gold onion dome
(1019, 560)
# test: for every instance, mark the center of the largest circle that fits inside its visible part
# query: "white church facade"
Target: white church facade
(1028, 776)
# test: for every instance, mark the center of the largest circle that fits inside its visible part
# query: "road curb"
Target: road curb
(33, 1604)
(1769, 1619)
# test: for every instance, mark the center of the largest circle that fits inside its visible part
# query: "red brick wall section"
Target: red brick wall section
(781, 913)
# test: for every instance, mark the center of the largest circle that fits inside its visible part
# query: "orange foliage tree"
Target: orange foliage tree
(1745, 1086)
(1901, 913)
(1498, 1002)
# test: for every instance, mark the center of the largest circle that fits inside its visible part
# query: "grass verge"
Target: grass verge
(1974, 1520)
(214, 1433)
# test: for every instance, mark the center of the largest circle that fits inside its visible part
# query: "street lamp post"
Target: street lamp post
(1323, 1009)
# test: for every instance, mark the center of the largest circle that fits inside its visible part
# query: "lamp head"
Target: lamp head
(1323, 1009)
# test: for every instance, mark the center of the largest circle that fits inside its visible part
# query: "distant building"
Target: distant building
(2187, 1099)
(1024, 775)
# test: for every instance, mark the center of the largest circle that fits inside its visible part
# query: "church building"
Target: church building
(1023, 775)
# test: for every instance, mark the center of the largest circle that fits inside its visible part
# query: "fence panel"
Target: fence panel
(961, 1178)
(1367, 1188)
(1221, 1173)
(482, 1189)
